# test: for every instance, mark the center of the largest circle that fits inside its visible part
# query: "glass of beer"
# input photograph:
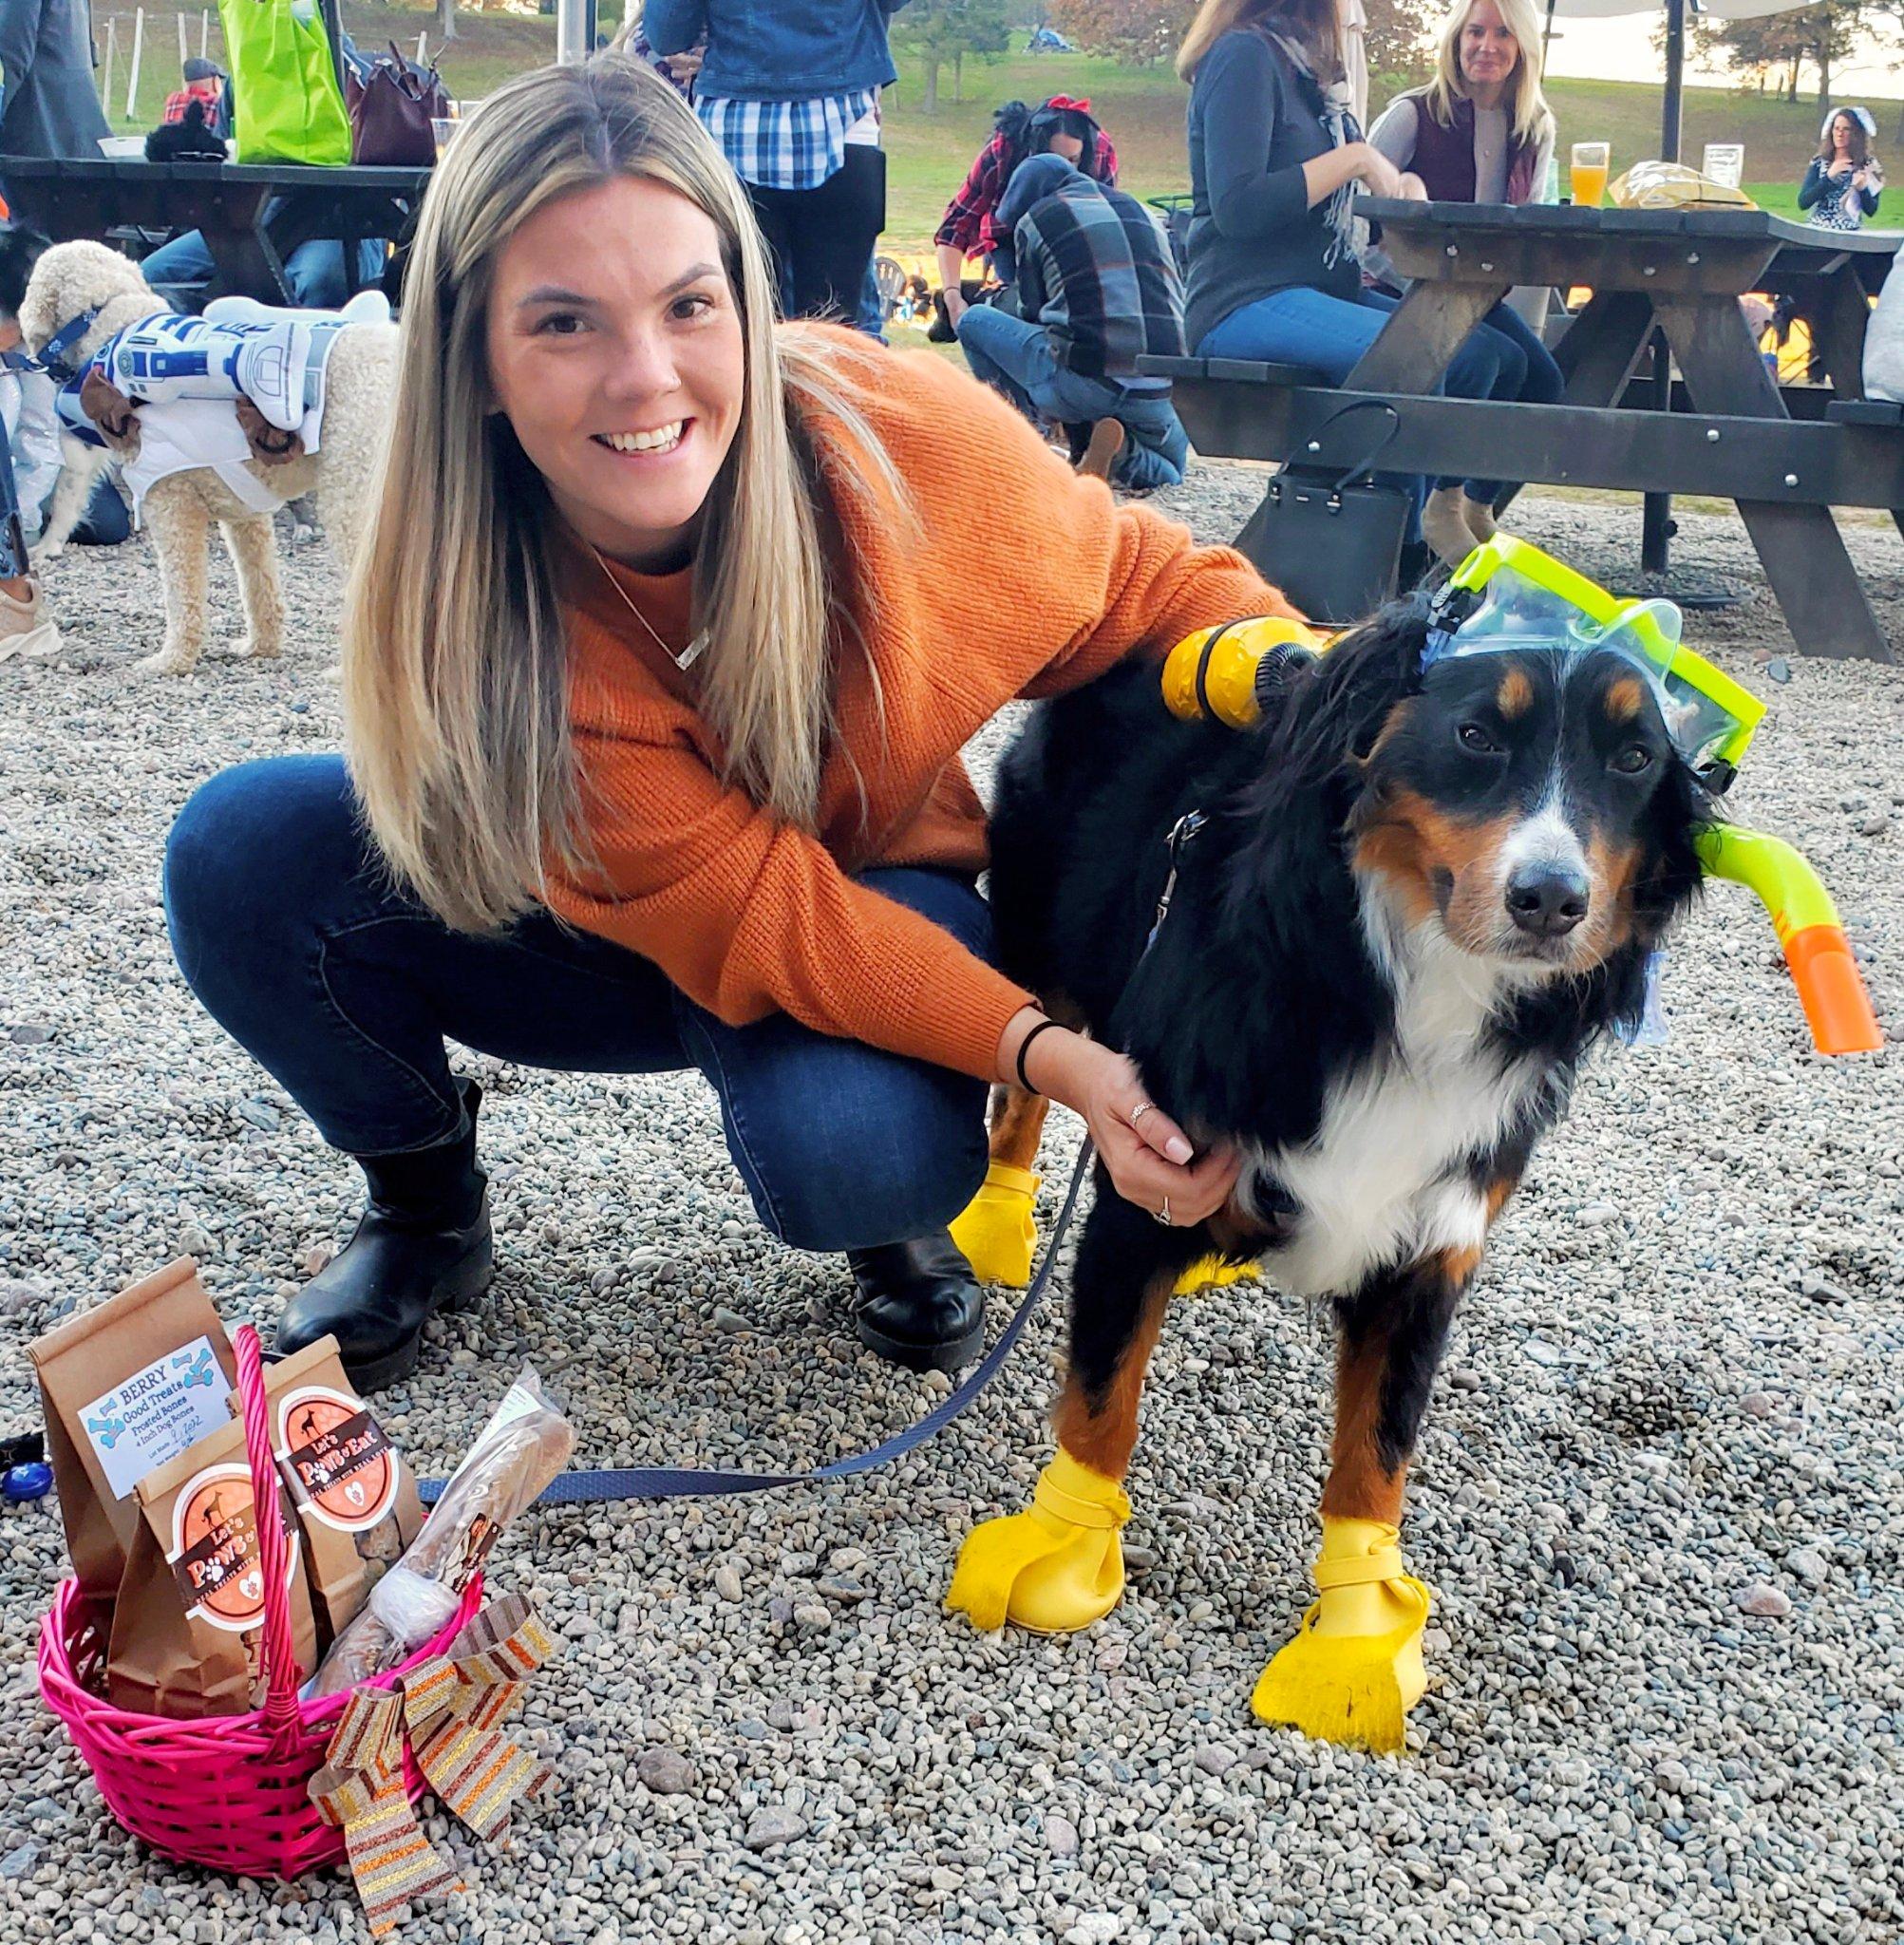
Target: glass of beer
(1588, 177)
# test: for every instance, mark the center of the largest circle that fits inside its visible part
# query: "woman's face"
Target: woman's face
(615, 353)
(1069, 146)
(1841, 134)
(1489, 52)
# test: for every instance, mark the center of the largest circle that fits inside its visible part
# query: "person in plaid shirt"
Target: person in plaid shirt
(1097, 289)
(969, 227)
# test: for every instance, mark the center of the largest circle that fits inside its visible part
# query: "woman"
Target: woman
(27, 626)
(1480, 132)
(1845, 180)
(656, 671)
(1059, 126)
(1274, 159)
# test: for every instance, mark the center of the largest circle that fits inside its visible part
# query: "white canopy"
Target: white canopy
(1717, 9)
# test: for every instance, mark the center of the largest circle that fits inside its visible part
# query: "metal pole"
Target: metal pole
(185, 45)
(138, 48)
(574, 30)
(204, 32)
(1656, 524)
(105, 73)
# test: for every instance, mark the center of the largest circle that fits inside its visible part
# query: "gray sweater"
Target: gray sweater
(1254, 121)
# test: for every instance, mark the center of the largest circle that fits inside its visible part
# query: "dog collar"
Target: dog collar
(53, 359)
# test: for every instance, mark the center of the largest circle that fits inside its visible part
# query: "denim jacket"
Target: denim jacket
(776, 50)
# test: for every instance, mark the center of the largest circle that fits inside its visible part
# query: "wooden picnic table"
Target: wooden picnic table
(70, 198)
(1679, 272)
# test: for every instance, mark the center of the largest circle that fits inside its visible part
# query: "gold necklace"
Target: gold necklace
(685, 658)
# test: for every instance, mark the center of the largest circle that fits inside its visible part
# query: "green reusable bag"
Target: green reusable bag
(288, 105)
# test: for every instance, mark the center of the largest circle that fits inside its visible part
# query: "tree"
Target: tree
(1782, 44)
(1138, 32)
(937, 32)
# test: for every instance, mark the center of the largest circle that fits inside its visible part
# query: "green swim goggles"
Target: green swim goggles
(1508, 595)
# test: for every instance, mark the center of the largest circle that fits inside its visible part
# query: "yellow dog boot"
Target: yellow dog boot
(995, 1230)
(1055, 1568)
(1354, 1668)
(1206, 1273)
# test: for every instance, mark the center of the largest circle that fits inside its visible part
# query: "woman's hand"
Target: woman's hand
(1149, 1158)
(1413, 187)
(1839, 168)
(1377, 171)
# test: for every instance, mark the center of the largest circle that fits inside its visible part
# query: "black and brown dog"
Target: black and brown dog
(1415, 899)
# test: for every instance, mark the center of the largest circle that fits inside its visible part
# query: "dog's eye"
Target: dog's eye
(1471, 736)
(1635, 760)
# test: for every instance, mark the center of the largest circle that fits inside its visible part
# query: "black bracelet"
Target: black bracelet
(1025, 1047)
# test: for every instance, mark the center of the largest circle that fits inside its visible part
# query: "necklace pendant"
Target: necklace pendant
(691, 654)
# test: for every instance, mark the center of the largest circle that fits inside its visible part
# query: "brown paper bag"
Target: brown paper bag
(356, 1500)
(188, 1628)
(125, 1387)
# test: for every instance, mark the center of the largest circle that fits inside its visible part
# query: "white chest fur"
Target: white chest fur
(1383, 1182)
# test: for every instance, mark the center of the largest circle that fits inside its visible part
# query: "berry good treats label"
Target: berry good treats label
(344, 1470)
(156, 1413)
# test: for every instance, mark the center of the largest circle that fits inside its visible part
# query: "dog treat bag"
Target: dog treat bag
(125, 1387)
(188, 1631)
(356, 1501)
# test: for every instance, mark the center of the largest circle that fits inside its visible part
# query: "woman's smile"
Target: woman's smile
(658, 443)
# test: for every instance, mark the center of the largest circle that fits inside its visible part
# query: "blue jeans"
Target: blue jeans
(1014, 356)
(14, 561)
(314, 271)
(1542, 384)
(343, 989)
(1328, 335)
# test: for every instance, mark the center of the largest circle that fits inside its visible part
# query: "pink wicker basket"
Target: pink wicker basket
(230, 1791)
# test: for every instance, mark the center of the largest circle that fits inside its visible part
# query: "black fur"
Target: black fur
(175, 142)
(21, 248)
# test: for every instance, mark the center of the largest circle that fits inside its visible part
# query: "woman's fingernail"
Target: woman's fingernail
(1178, 1149)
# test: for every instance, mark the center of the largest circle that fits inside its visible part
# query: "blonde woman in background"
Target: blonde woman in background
(657, 669)
(1480, 131)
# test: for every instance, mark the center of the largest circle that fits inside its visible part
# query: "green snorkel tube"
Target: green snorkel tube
(1507, 595)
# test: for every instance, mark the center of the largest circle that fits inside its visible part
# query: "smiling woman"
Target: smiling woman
(657, 669)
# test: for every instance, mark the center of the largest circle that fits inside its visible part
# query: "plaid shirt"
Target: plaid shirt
(1095, 270)
(968, 221)
(786, 144)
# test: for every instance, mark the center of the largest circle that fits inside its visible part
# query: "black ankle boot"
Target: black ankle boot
(422, 1245)
(919, 1304)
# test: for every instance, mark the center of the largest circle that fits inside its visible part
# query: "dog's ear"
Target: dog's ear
(1669, 875)
(1336, 708)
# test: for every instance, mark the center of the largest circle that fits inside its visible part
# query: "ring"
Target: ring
(1137, 1113)
(1162, 1215)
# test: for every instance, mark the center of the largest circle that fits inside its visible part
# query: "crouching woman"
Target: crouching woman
(657, 669)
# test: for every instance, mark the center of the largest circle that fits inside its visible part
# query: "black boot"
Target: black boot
(422, 1245)
(919, 1304)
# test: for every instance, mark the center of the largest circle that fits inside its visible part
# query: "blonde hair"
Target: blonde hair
(1529, 118)
(1313, 22)
(455, 665)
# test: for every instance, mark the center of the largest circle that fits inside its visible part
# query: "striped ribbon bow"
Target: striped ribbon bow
(446, 1708)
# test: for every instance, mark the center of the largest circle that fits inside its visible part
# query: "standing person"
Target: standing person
(811, 160)
(49, 103)
(657, 669)
(26, 625)
(1059, 126)
(1845, 180)
(1275, 156)
(1480, 132)
(1097, 289)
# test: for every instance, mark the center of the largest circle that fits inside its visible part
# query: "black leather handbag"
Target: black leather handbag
(1332, 546)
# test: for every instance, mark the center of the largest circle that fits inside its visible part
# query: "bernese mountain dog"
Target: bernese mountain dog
(1414, 900)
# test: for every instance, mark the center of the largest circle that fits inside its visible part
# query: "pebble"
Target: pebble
(1819, 1289)
(1060, 1836)
(19, 1863)
(17, 1297)
(729, 1322)
(1214, 1760)
(727, 1583)
(1757, 1405)
(1761, 1598)
(774, 1826)
(1808, 1564)
(31, 1033)
(1463, 1379)
(666, 1771)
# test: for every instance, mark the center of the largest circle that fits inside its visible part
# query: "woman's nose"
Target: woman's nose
(645, 367)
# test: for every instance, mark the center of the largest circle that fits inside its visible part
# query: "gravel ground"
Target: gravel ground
(1660, 1493)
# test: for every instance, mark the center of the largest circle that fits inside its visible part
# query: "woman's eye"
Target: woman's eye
(1471, 736)
(696, 304)
(1633, 761)
(560, 324)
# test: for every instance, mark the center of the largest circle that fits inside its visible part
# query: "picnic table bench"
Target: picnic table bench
(70, 198)
(1786, 459)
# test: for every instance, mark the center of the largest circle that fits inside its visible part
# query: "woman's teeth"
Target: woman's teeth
(663, 439)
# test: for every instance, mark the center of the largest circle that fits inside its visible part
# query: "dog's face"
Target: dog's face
(1532, 802)
(20, 250)
(66, 279)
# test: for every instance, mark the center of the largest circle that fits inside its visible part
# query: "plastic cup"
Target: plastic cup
(1587, 181)
(443, 127)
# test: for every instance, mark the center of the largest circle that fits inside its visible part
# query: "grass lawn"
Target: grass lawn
(929, 154)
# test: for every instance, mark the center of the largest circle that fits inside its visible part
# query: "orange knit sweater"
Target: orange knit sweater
(1018, 579)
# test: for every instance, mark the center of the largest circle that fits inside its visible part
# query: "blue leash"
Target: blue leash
(691, 1483)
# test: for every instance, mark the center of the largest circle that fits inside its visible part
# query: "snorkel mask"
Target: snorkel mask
(1510, 595)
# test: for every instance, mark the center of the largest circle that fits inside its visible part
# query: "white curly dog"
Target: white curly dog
(70, 279)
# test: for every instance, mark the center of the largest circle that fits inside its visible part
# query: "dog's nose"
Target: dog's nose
(1547, 900)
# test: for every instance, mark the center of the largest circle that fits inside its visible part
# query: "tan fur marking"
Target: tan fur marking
(1017, 1124)
(1612, 870)
(1499, 1195)
(1104, 1439)
(1414, 840)
(1514, 696)
(1625, 699)
(1358, 1488)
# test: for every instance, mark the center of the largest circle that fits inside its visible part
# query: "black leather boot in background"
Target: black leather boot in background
(918, 1305)
(422, 1245)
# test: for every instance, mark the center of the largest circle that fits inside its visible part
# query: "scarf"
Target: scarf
(1335, 108)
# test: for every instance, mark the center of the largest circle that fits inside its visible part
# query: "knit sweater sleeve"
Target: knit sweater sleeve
(747, 914)
(1396, 130)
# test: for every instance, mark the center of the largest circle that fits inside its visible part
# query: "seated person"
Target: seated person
(315, 270)
(1097, 289)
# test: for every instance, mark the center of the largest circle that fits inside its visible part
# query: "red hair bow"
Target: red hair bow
(1066, 101)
